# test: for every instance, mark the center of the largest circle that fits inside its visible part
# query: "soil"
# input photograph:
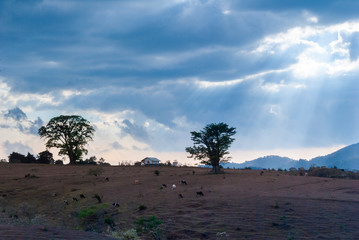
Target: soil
(240, 204)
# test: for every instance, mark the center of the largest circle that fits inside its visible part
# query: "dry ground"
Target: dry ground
(240, 204)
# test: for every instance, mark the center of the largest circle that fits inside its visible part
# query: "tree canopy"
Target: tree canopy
(211, 144)
(68, 133)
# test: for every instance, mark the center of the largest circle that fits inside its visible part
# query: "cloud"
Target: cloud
(273, 69)
(16, 119)
(354, 46)
(137, 132)
(17, 114)
(117, 146)
(16, 147)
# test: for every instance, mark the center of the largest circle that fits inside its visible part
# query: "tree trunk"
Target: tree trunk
(72, 158)
(216, 169)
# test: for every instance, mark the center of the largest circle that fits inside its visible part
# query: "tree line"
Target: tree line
(46, 157)
(71, 133)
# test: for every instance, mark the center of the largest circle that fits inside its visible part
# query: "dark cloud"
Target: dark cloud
(117, 146)
(149, 58)
(16, 113)
(35, 126)
(21, 121)
(137, 132)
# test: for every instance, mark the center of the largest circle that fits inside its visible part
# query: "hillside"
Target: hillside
(345, 158)
(268, 162)
(241, 204)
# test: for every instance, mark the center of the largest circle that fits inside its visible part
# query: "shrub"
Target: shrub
(93, 218)
(149, 224)
(157, 173)
(109, 221)
(130, 234)
(59, 162)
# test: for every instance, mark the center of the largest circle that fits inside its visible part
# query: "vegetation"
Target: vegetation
(211, 144)
(68, 133)
(157, 173)
(94, 218)
(45, 157)
(130, 234)
(332, 173)
(149, 225)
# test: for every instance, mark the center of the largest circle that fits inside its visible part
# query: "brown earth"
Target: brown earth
(240, 204)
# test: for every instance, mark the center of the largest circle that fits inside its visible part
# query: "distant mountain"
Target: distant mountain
(270, 162)
(345, 158)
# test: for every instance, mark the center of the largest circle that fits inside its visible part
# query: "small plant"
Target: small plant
(130, 234)
(149, 225)
(109, 221)
(157, 173)
(92, 217)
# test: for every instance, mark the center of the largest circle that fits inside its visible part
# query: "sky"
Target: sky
(284, 73)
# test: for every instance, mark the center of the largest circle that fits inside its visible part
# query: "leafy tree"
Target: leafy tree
(68, 133)
(103, 162)
(90, 161)
(59, 162)
(45, 157)
(211, 144)
(30, 158)
(15, 157)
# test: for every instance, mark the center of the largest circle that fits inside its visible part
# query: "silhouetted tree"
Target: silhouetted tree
(103, 162)
(59, 162)
(30, 158)
(15, 157)
(68, 133)
(211, 144)
(90, 161)
(45, 157)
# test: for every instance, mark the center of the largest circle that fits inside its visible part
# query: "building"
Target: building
(150, 161)
(175, 163)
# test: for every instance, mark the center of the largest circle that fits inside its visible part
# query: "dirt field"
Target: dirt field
(240, 204)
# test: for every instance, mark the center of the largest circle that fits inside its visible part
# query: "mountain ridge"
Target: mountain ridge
(345, 158)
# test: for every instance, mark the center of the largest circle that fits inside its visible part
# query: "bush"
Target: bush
(332, 173)
(149, 224)
(109, 221)
(94, 218)
(59, 162)
(157, 173)
(130, 234)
